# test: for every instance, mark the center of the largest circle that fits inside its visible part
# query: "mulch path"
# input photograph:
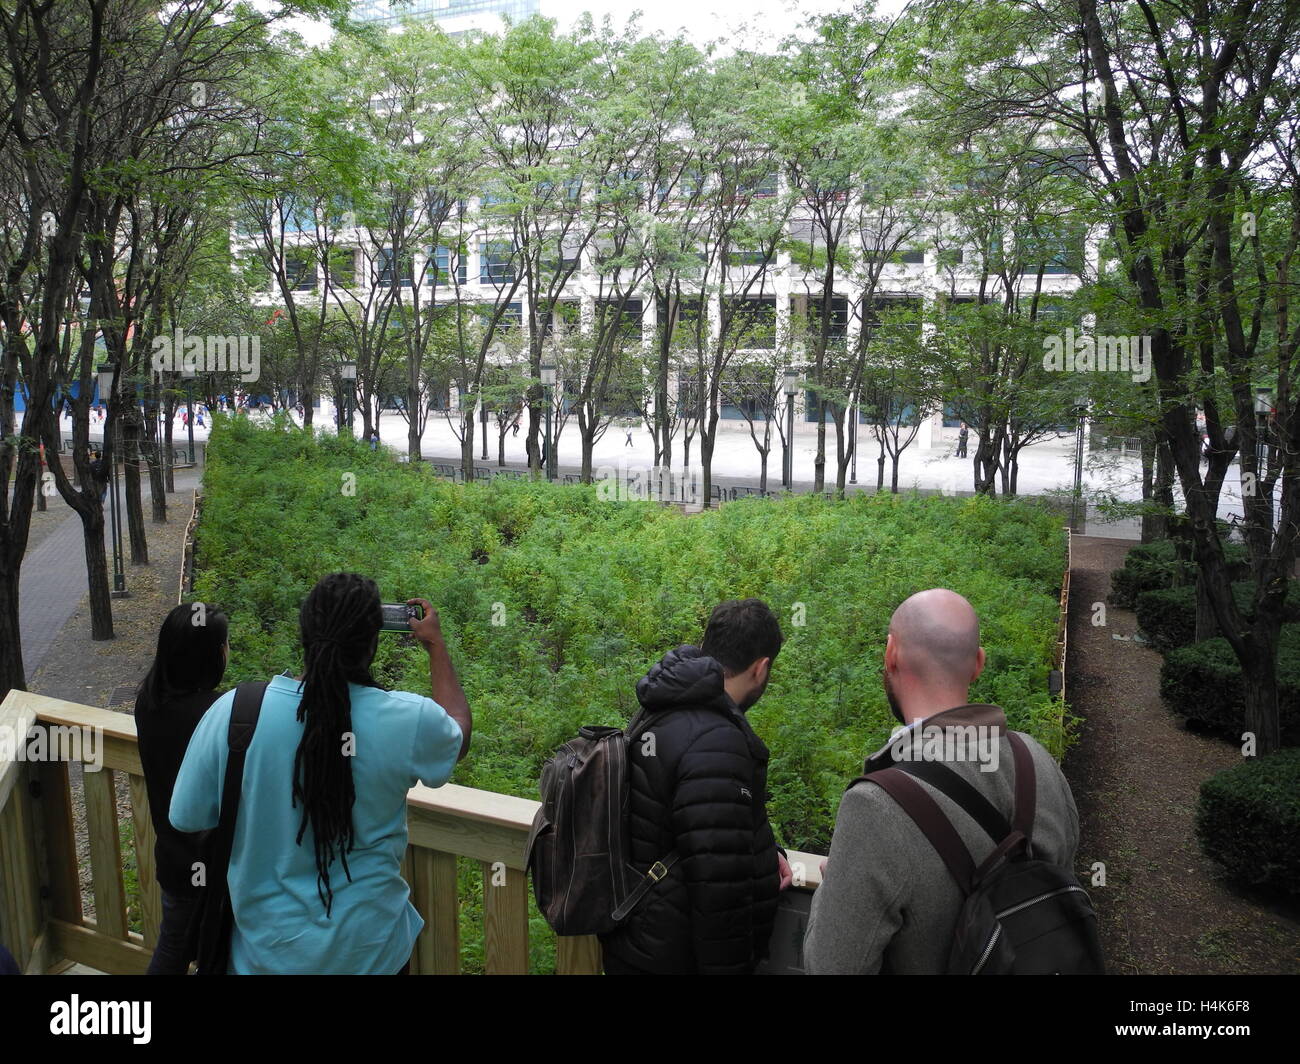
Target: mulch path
(1136, 773)
(79, 669)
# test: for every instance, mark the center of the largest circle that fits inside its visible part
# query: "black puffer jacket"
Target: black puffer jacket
(702, 792)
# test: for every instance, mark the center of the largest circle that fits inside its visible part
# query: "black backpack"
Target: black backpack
(578, 847)
(1021, 916)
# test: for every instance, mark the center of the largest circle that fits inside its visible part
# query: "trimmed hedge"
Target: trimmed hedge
(1168, 615)
(1152, 566)
(1248, 819)
(1202, 682)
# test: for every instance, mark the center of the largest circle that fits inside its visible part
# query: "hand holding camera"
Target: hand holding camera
(422, 619)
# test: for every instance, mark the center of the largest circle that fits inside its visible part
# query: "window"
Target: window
(688, 394)
(812, 404)
(629, 323)
(297, 217)
(755, 323)
(497, 266)
(688, 317)
(343, 267)
(839, 316)
(493, 196)
(300, 271)
(393, 272)
(442, 263)
(746, 395)
(745, 258)
(512, 317)
(439, 392)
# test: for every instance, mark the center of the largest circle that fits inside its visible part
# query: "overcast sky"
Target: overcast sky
(758, 24)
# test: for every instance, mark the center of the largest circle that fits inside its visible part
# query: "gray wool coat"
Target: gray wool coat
(887, 902)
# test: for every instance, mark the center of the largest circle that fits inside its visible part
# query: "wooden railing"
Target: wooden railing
(41, 916)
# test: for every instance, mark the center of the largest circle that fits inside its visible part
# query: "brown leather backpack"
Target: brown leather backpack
(578, 847)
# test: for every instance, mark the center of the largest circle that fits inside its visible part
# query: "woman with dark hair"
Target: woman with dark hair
(315, 878)
(178, 689)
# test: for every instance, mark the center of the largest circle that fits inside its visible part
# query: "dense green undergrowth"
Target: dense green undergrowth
(555, 603)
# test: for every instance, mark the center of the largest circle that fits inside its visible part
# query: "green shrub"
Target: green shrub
(1153, 566)
(1147, 567)
(1168, 615)
(1202, 682)
(593, 593)
(1248, 819)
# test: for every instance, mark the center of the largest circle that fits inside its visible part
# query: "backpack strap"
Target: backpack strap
(946, 781)
(1022, 817)
(927, 815)
(217, 921)
(939, 830)
(243, 722)
(657, 871)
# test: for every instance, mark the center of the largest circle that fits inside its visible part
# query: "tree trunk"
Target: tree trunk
(1206, 625)
(1148, 487)
(101, 604)
(707, 440)
(154, 457)
(533, 444)
(762, 471)
(893, 480)
(1163, 491)
(134, 505)
(412, 429)
(819, 463)
(168, 456)
(12, 677)
(587, 434)
(1259, 678)
(467, 448)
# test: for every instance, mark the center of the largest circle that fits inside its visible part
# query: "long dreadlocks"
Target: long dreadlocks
(339, 623)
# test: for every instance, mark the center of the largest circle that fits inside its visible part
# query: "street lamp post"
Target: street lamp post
(348, 371)
(107, 374)
(1263, 407)
(856, 411)
(790, 385)
(548, 386)
(1081, 413)
(188, 373)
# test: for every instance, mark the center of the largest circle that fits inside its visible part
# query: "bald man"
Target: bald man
(887, 902)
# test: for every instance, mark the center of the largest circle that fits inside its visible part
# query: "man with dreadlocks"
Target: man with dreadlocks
(315, 880)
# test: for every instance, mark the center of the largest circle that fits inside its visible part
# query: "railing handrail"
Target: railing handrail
(444, 824)
(467, 803)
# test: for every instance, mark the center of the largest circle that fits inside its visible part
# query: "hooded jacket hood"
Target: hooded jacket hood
(684, 676)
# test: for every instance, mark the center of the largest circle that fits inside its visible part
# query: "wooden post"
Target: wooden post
(577, 955)
(146, 873)
(60, 842)
(21, 919)
(505, 919)
(105, 853)
(437, 899)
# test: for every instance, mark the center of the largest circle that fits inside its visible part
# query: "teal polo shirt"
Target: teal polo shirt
(280, 921)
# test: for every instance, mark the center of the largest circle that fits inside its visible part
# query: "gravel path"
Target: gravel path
(78, 669)
(1136, 773)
